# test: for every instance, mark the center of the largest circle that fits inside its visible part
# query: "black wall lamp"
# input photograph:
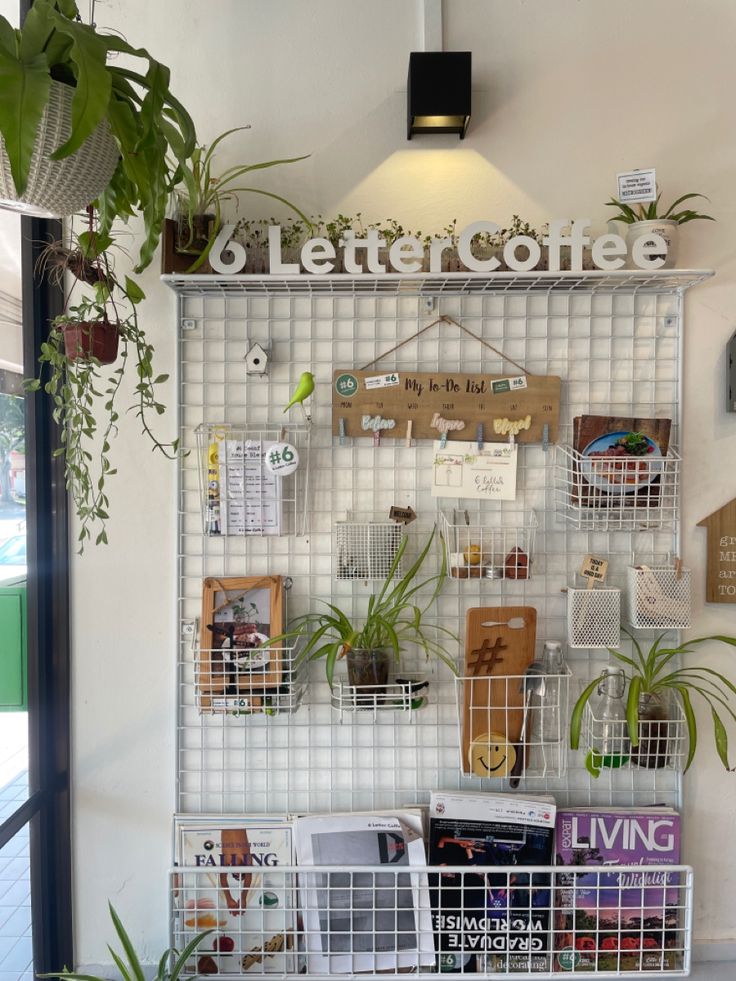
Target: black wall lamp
(438, 92)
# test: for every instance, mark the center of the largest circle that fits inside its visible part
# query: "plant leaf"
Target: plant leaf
(576, 719)
(692, 727)
(24, 92)
(632, 709)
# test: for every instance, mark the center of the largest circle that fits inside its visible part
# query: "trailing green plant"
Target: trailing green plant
(203, 193)
(652, 673)
(86, 398)
(153, 131)
(651, 211)
(170, 967)
(394, 617)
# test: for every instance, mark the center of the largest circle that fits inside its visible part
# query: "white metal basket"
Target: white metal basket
(658, 597)
(57, 188)
(593, 617)
(232, 682)
(482, 549)
(366, 550)
(662, 745)
(407, 695)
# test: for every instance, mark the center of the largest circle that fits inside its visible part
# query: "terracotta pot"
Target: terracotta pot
(368, 672)
(94, 339)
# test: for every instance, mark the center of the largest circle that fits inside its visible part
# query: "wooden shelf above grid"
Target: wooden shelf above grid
(433, 284)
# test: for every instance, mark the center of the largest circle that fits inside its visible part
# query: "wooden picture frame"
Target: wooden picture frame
(238, 616)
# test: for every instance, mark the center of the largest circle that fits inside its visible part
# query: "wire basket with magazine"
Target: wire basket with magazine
(658, 597)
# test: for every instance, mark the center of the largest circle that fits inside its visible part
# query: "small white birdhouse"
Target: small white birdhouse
(256, 361)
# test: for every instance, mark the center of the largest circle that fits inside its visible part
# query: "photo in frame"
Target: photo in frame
(239, 615)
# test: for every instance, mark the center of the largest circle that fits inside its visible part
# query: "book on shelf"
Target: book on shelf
(619, 460)
(496, 920)
(253, 913)
(364, 921)
(618, 921)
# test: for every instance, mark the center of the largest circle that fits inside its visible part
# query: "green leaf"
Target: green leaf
(8, 37)
(721, 737)
(576, 719)
(632, 709)
(130, 953)
(24, 91)
(133, 291)
(692, 727)
(36, 32)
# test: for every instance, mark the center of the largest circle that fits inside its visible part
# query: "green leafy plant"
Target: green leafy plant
(153, 131)
(170, 966)
(652, 673)
(86, 398)
(202, 193)
(650, 211)
(395, 617)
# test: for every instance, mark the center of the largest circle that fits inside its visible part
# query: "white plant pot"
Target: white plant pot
(669, 230)
(58, 188)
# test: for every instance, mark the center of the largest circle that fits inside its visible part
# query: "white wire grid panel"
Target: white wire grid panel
(367, 549)
(658, 598)
(593, 617)
(320, 922)
(663, 742)
(504, 717)
(501, 547)
(615, 342)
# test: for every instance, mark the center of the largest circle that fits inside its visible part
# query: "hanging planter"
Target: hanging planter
(60, 187)
(88, 339)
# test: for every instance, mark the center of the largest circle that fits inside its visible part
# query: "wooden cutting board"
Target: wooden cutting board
(493, 703)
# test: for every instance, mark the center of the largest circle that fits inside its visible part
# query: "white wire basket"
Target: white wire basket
(58, 188)
(241, 496)
(501, 546)
(366, 550)
(618, 493)
(254, 681)
(593, 617)
(505, 717)
(663, 743)
(355, 919)
(658, 597)
(407, 695)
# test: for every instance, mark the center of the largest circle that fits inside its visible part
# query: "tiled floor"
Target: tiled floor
(16, 959)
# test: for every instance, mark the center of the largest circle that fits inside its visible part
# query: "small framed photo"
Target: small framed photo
(238, 616)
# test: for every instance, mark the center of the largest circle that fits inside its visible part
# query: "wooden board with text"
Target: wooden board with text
(720, 572)
(456, 402)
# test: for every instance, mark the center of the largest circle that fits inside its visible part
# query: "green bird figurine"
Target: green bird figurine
(303, 390)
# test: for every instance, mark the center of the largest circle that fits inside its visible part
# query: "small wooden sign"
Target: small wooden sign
(720, 573)
(453, 403)
(403, 515)
(594, 569)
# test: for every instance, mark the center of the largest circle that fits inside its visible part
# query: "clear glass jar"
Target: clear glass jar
(610, 745)
(551, 722)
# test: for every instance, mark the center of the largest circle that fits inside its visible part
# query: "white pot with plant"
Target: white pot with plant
(650, 219)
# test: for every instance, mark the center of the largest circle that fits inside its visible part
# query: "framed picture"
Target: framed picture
(238, 617)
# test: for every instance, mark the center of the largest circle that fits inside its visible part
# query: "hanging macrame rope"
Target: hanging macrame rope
(445, 320)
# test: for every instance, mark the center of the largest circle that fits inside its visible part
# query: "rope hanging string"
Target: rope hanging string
(446, 320)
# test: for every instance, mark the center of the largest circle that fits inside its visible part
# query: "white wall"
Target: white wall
(565, 95)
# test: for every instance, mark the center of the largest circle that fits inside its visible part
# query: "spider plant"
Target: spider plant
(650, 211)
(394, 617)
(652, 673)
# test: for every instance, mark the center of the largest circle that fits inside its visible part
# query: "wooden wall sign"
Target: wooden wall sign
(720, 573)
(438, 401)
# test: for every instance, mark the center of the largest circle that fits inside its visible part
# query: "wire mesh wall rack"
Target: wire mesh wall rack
(614, 339)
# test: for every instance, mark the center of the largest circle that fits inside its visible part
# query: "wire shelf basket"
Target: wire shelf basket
(663, 742)
(366, 550)
(658, 597)
(407, 695)
(249, 680)
(618, 493)
(504, 720)
(499, 547)
(242, 491)
(593, 618)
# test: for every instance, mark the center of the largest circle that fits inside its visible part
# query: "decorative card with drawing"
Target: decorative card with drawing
(460, 469)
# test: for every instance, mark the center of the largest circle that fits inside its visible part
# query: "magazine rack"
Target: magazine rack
(301, 760)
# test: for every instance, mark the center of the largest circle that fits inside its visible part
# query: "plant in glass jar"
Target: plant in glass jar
(396, 616)
(653, 685)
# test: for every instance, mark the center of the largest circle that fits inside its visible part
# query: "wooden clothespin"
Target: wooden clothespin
(376, 437)
(407, 441)
(341, 431)
(479, 436)
(678, 567)
(443, 440)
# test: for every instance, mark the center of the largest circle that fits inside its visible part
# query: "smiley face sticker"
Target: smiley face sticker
(491, 755)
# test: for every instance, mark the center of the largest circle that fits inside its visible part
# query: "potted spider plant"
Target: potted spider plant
(652, 219)
(201, 195)
(78, 124)
(653, 683)
(395, 617)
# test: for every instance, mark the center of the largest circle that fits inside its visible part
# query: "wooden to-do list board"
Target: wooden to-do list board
(500, 403)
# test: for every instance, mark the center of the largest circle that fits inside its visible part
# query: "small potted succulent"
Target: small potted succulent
(653, 685)
(654, 219)
(395, 617)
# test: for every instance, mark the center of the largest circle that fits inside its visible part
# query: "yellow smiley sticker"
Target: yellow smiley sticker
(491, 755)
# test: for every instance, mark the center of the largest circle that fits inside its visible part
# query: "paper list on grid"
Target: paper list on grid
(250, 495)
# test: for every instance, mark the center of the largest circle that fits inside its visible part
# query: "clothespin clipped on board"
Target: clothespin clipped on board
(678, 567)
(443, 440)
(545, 437)
(512, 440)
(341, 431)
(376, 437)
(479, 436)
(407, 441)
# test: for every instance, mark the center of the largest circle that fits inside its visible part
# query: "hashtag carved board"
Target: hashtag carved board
(471, 399)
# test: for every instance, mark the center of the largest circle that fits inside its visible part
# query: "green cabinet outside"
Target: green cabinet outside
(13, 647)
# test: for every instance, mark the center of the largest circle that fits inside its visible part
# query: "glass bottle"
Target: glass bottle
(551, 716)
(610, 746)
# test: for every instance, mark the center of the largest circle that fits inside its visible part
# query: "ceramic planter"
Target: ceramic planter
(669, 230)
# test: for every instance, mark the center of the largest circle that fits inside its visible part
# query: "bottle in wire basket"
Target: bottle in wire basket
(610, 746)
(551, 722)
